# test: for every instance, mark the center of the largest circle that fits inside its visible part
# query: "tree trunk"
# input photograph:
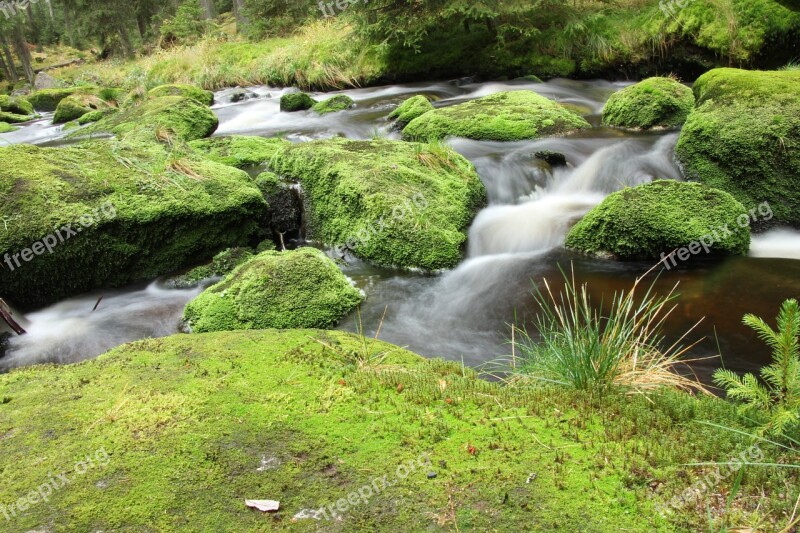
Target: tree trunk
(23, 53)
(68, 27)
(208, 9)
(125, 40)
(4, 68)
(34, 26)
(12, 68)
(238, 13)
(50, 9)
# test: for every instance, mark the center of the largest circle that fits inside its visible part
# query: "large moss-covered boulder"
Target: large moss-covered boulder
(656, 218)
(111, 212)
(410, 109)
(652, 103)
(15, 104)
(184, 117)
(238, 151)
(75, 106)
(293, 289)
(189, 91)
(48, 99)
(340, 102)
(744, 137)
(296, 102)
(505, 116)
(393, 203)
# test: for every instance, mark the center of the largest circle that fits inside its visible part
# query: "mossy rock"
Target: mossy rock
(293, 289)
(14, 118)
(339, 102)
(221, 264)
(649, 220)
(652, 103)
(94, 116)
(48, 99)
(16, 105)
(296, 102)
(410, 109)
(744, 137)
(238, 151)
(504, 116)
(75, 106)
(169, 208)
(202, 96)
(185, 117)
(392, 203)
(5, 127)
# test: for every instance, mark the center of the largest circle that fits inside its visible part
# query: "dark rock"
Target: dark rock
(555, 159)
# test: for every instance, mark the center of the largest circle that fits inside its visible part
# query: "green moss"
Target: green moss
(185, 117)
(221, 264)
(300, 288)
(744, 138)
(171, 207)
(48, 99)
(238, 151)
(13, 118)
(16, 105)
(410, 109)
(189, 91)
(652, 103)
(190, 426)
(505, 116)
(296, 102)
(94, 116)
(645, 221)
(339, 102)
(5, 127)
(75, 106)
(392, 203)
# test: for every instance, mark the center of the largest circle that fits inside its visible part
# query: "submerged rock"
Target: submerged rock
(296, 102)
(112, 212)
(554, 159)
(410, 109)
(339, 102)
(182, 116)
(652, 103)
(238, 151)
(201, 96)
(75, 106)
(744, 137)
(656, 218)
(505, 116)
(390, 202)
(293, 289)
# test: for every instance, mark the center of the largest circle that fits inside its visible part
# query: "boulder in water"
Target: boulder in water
(201, 96)
(296, 102)
(414, 107)
(15, 104)
(75, 106)
(339, 102)
(652, 103)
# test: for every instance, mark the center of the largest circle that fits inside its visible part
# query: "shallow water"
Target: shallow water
(464, 314)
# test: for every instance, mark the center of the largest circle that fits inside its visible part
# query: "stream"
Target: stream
(465, 314)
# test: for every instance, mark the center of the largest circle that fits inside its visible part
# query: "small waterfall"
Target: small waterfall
(783, 243)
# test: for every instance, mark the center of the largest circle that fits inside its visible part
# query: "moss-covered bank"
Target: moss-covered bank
(744, 138)
(201, 96)
(392, 203)
(169, 209)
(238, 151)
(656, 218)
(294, 289)
(182, 430)
(652, 103)
(504, 116)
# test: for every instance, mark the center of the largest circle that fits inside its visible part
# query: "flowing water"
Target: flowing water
(464, 314)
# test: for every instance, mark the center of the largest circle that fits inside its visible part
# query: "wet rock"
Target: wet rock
(554, 159)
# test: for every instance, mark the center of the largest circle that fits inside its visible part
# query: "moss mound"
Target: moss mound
(75, 106)
(652, 103)
(16, 105)
(646, 221)
(410, 109)
(48, 99)
(221, 264)
(238, 151)
(94, 116)
(292, 289)
(339, 102)
(5, 127)
(744, 138)
(182, 430)
(185, 117)
(393, 203)
(14, 118)
(201, 96)
(296, 102)
(505, 116)
(135, 209)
